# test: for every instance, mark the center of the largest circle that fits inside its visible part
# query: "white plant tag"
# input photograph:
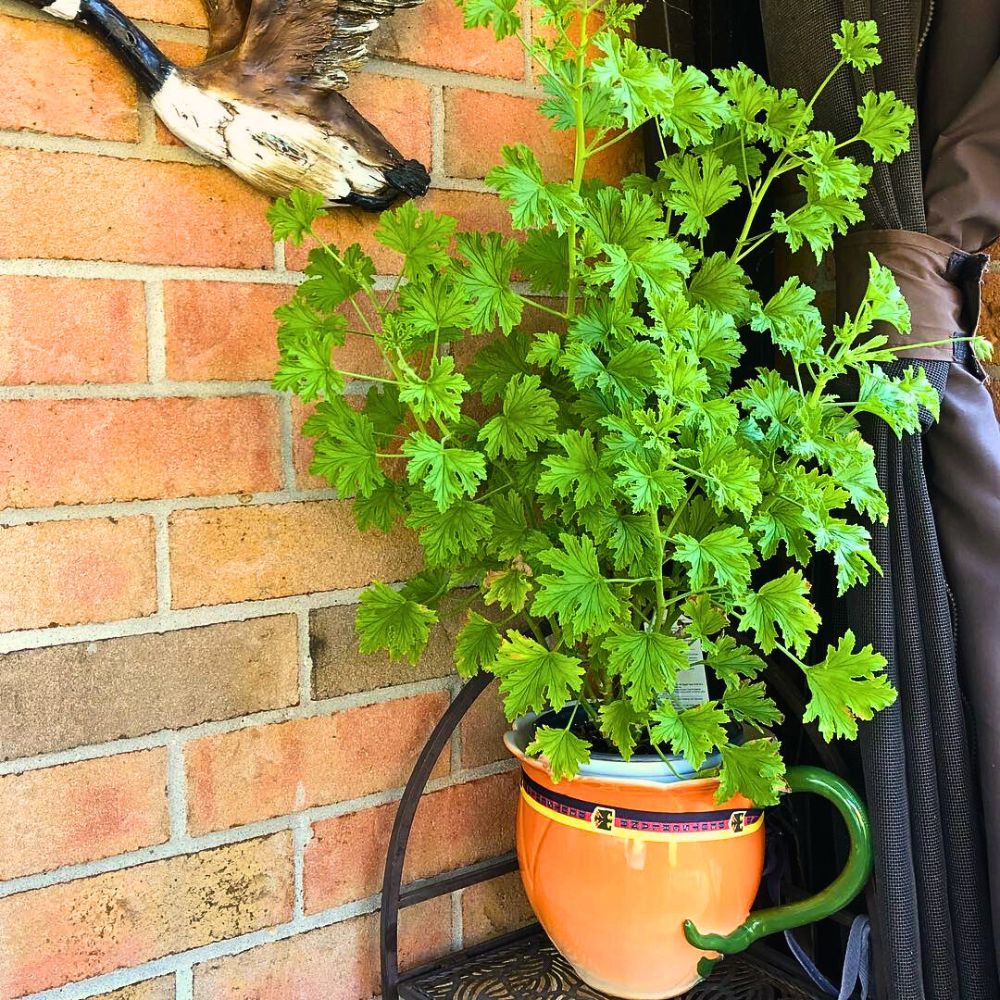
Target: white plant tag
(692, 684)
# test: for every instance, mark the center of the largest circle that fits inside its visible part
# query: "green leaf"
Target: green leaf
(847, 686)
(331, 280)
(633, 74)
(699, 187)
(647, 662)
(730, 661)
(897, 401)
(305, 367)
(857, 42)
(753, 769)
(476, 645)
(564, 751)
(291, 218)
(648, 486)
(724, 556)
(886, 123)
(619, 721)
(693, 733)
(781, 604)
(580, 473)
(851, 552)
(722, 285)
(794, 322)
(750, 703)
(434, 304)
(497, 363)
(501, 15)
(455, 534)
(439, 395)
(388, 620)
(486, 279)
(445, 473)
(704, 617)
(422, 237)
(533, 678)
(528, 418)
(544, 260)
(576, 591)
(883, 299)
(697, 109)
(509, 588)
(512, 536)
(345, 455)
(534, 203)
(380, 508)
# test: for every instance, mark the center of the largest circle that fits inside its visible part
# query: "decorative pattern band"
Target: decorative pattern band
(637, 823)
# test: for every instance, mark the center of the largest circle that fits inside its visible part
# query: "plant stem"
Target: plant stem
(661, 603)
(579, 162)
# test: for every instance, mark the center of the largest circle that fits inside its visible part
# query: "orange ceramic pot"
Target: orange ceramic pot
(624, 872)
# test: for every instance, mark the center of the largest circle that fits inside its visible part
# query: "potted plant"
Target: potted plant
(620, 508)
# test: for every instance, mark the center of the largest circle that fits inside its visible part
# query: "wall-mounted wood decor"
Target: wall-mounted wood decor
(264, 103)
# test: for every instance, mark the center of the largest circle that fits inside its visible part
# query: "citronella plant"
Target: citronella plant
(603, 487)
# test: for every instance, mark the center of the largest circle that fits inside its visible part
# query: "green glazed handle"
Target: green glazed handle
(825, 903)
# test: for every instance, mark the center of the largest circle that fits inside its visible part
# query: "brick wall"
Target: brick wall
(197, 770)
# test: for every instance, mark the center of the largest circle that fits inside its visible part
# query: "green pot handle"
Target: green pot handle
(825, 903)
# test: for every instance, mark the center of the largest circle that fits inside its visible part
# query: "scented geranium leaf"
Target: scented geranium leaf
(580, 473)
(543, 259)
(781, 604)
(446, 474)
(857, 42)
(626, 219)
(886, 123)
(619, 721)
(699, 187)
(722, 285)
(748, 96)
(497, 363)
(753, 769)
(560, 104)
(794, 322)
(476, 645)
(434, 303)
(704, 619)
(533, 203)
(849, 545)
(509, 588)
(786, 116)
(853, 467)
(533, 678)
(299, 319)
(897, 401)
(723, 556)
(823, 215)
(576, 591)
(388, 620)
(784, 521)
(305, 368)
(383, 408)
(750, 703)
(503, 16)
(458, 531)
(883, 300)
(773, 405)
(826, 173)
(546, 350)
(693, 733)
(291, 218)
(345, 456)
(696, 110)
(512, 536)
(439, 395)
(730, 661)
(486, 279)
(633, 74)
(422, 237)
(647, 485)
(732, 477)
(646, 662)
(332, 279)
(658, 265)
(714, 338)
(847, 686)
(380, 508)
(528, 418)
(564, 751)
(626, 535)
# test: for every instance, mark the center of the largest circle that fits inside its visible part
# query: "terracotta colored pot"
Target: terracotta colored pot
(642, 883)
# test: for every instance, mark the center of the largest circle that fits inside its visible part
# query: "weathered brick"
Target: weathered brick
(136, 449)
(989, 324)
(482, 730)
(71, 331)
(226, 330)
(265, 771)
(339, 962)
(93, 692)
(74, 930)
(398, 107)
(492, 908)
(189, 13)
(93, 97)
(456, 826)
(103, 208)
(150, 989)
(433, 35)
(78, 812)
(68, 572)
(479, 123)
(338, 667)
(252, 553)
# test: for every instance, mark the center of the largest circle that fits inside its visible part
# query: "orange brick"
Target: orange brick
(68, 572)
(265, 771)
(483, 729)
(91, 95)
(478, 124)
(433, 35)
(102, 208)
(71, 331)
(226, 330)
(252, 553)
(136, 449)
(339, 962)
(150, 989)
(78, 812)
(190, 13)
(74, 930)
(453, 827)
(989, 324)
(492, 908)
(398, 107)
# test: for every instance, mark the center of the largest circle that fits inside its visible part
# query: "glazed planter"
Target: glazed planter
(642, 881)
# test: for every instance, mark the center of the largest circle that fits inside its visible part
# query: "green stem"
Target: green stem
(540, 306)
(666, 760)
(579, 164)
(366, 378)
(661, 603)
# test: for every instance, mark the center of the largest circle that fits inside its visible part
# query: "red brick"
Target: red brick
(307, 762)
(90, 94)
(150, 989)
(493, 908)
(478, 124)
(78, 812)
(433, 35)
(339, 962)
(102, 208)
(483, 729)
(79, 929)
(455, 826)
(989, 324)
(253, 553)
(68, 572)
(227, 330)
(137, 449)
(71, 330)
(398, 107)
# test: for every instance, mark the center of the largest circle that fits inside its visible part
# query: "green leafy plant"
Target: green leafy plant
(599, 485)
